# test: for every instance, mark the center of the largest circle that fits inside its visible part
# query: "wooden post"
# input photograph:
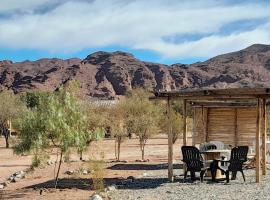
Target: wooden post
(184, 122)
(263, 124)
(235, 128)
(170, 141)
(258, 137)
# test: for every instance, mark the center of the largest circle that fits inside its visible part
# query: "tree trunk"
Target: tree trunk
(115, 150)
(7, 138)
(118, 149)
(81, 155)
(60, 162)
(6, 133)
(142, 145)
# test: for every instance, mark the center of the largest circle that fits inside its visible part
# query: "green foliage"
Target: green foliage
(142, 116)
(177, 106)
(32, 99)
(118, 126)
(11, 108)
(10, 105)
(56, 120)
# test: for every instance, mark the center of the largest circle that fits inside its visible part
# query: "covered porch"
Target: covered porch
(235, 116)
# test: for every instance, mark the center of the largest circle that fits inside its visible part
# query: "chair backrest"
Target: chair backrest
(192, 157)
(207, 146)
(238, 157)
(220, 145)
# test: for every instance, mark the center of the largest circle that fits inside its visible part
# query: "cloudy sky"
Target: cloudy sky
(167, 31)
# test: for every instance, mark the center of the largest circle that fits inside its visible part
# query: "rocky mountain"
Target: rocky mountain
(108, 75)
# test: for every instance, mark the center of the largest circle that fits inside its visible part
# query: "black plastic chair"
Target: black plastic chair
(235, 164)
(194, 162)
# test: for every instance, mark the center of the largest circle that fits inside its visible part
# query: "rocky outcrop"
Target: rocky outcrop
(108, 75)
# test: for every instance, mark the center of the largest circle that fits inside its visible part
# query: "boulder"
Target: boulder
(96, 197)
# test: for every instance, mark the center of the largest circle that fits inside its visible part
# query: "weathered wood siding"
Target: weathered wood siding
(234, 126)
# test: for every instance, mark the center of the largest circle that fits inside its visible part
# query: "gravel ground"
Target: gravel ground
(154, 185)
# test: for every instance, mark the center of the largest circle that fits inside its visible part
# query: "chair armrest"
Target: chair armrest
(219, 160)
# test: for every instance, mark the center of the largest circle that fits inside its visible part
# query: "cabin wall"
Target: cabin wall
(233, 126)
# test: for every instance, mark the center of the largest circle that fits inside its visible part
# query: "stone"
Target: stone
(69, 172)
(14, 179)
(6, 183)
(51, 162)
(2, 186)
(96, 197)
(112, 188)
(84, 172)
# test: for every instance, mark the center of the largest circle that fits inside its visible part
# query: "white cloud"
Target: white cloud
(74, 25)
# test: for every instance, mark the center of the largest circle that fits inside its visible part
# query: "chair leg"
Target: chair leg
(243, 175)
(192, 173)
(202, 175)
(234, 175)
(213, 170)
(185, 175)
(227, 176)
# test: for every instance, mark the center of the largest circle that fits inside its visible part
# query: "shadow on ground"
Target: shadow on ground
(143, 166)
(85, 184)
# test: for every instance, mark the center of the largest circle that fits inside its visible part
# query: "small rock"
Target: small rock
(85, 172)
(145, 174)
(2, 186)
(6, 183)
(14, 179)
(96, 197)
(112, 188)
(50, 162)
(69, 172)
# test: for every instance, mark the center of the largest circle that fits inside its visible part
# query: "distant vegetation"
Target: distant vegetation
(62, 120)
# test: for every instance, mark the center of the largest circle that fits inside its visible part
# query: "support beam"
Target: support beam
(184, 122)
(263, 137)
(258, 138)
(235, 128)
(170, 141)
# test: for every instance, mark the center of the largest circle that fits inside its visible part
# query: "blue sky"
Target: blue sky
(166, 31)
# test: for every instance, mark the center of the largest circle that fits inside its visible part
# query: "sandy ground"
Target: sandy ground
(79, 186)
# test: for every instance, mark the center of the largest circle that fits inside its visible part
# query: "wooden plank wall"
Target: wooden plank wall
(246, 123)
(233, 126)
(221, 126)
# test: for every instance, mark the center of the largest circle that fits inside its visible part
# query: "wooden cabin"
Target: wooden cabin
(235, 116)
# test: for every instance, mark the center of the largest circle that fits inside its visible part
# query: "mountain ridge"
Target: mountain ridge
(109, 75)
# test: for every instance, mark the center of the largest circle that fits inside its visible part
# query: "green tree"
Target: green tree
(32, 99)
(11, 108)
(142, 117)
(57, 121)
(118, 127)
(96, 120)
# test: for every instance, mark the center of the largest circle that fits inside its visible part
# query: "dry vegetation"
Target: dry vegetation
(60, 141)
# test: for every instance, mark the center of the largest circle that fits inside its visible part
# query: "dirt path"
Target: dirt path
(79, 187)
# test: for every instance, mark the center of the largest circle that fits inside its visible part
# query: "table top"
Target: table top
(217, 151)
